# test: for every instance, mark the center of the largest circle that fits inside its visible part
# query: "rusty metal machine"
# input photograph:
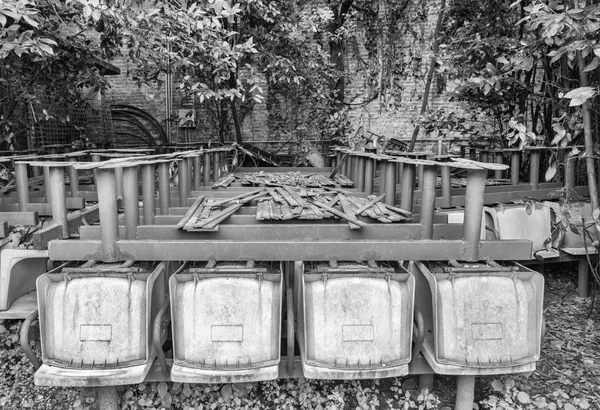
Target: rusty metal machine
(263, 282)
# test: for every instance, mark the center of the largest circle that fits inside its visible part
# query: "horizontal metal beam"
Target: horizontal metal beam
(504, 197)
(274, 250)
(19, 218)
(42, 237)
(276, 170)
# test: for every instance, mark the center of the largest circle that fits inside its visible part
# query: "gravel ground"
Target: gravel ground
(568, 376)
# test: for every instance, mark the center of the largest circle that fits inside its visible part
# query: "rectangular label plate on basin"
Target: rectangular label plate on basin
(223, 333)
(95, 333)
(358, 333)
(486, 331)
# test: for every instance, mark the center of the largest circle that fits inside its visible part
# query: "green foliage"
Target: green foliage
(47, 54)
(517, 61)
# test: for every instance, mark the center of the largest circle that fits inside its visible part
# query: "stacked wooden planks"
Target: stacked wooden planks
(284, 203)
(292, 179)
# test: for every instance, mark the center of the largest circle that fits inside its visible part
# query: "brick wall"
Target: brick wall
(391, 114)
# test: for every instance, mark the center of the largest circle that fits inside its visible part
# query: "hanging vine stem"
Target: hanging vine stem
(435, 49)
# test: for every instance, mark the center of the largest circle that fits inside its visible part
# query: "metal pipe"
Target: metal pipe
(164, 187)
(216, 167)
(369, 175)
(499, 174)
(119, 181)
(420, 176)
(197, 173)
(382, 176)
(360, 173)
(473, 212)
(333, 162)
(349, 168)
(390, 183)
(472, 154)
(190, 174)
(35, 171)
(148, 192)
(184, 183)
(206, 169)
(428, 200)
(446, 185)
(107, 204)
(22, 186)
(59, 198)
(515, 165)
(47, 185)
(73, 178)
(131, 200)
(96, 158)
(465, 392)
(408, 187)
(534, 169)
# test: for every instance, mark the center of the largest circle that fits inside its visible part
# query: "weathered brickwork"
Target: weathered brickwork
(391, 113)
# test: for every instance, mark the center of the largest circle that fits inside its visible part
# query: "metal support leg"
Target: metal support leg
(206, 169)
(148, 192)
(290, 329)
(515, 165)
(107, 203)
(484, 156)
(499, 174)
(216, 167)
(47, 187)
(197, 173)
(360, 183)
(184, 183)
(473, 212)
(426, 382)
(420, 176)
(534, 169)
(164, 187)
(390, 183)
(446, 186)
(73, 179)
(408, 187)
(35, 171)
(354, 169)
(58, 198)
(465, 392)
(428, 200)
(369, 175)
(131, 184)
(22, 186)
(472, 154)
(382, 165)
(96, 158)
(119, 181)
(107, 398)
(583, 272)
(333, 162)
